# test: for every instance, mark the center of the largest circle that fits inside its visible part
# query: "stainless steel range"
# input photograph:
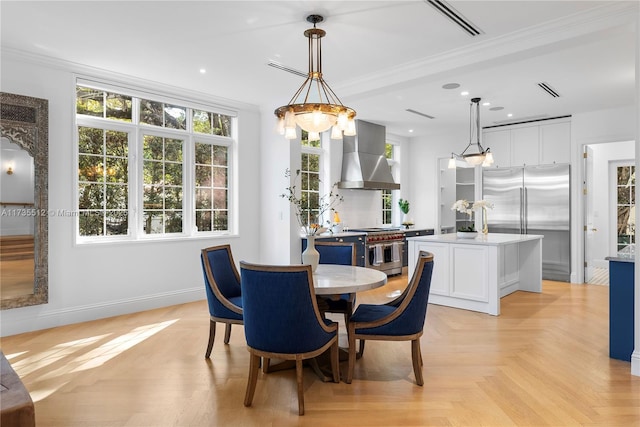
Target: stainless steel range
(383, 249)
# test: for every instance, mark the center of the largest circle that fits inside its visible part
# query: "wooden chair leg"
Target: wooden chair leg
(265, 365)
(361, 350)
(417, 365)
(254, 364)
(212, 337)
(300, 387)
(227, 333)
(352, 354)
(335, 361)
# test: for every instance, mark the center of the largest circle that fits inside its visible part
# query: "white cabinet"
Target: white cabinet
(525, 146)
(499, 143)
(536, 143)
(447, 196)
(555, 143)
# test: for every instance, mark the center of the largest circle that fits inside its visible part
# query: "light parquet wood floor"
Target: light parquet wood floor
(543, 362)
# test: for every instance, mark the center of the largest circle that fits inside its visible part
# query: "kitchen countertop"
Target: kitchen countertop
(491, 239)
(343, 234)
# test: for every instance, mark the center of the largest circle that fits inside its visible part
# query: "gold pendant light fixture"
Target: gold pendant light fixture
(315, 107)
(481, 156)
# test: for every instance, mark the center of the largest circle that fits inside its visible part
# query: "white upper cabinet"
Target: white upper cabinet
(499, 143)
(539, 143)
(525, 146)
(555, 143)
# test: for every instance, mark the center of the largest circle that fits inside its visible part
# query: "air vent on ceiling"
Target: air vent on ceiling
(551, 91)
(456, 17)
(287, 69)
(419, 113)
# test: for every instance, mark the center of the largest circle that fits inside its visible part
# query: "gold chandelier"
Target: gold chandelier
(315, 107)
(481, 157)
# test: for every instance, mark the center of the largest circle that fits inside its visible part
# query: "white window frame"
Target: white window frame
(136, 131)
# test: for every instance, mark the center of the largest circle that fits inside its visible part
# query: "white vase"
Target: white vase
(467, 234)
(311, 255)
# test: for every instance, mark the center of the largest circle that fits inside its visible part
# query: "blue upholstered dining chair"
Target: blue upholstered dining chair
(399, 320)
(341, 253)
(282, 321)
(222, 283)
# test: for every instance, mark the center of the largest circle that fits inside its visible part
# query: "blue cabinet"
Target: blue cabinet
(412, 233)
(621, 299)
(358, 239)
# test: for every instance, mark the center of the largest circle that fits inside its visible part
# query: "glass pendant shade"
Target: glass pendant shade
(315, 107)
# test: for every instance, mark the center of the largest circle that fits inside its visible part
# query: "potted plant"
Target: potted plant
(404, 207)
(467, 231)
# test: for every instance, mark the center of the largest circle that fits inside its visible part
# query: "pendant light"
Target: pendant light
(480, 156)
(315, 107)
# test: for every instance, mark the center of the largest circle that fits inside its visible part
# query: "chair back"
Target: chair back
(222, 282)
(280, 310)
(411, 312)
(336, 253)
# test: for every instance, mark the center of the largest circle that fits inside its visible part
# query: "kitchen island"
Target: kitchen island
(473, 274)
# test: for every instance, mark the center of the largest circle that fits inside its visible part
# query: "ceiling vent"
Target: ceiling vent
(287, 69)
(456, 17)
(548, 89)
(419, 113)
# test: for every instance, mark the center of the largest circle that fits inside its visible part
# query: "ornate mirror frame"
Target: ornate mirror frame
(25, 121)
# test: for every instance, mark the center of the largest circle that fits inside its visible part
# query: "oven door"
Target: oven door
(385, 256)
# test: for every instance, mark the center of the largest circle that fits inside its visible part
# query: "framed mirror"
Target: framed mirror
(24, 215)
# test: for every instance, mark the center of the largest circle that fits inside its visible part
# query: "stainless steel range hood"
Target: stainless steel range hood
(364, 165)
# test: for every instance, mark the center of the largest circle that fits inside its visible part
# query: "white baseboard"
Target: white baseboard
(38, 317)
(635, 363)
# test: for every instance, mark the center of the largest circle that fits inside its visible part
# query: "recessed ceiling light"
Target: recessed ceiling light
(451, 86)
(496, 108)
(509, 115)
(202, 71)
(410, 130)
(465, 93)
(486, 104)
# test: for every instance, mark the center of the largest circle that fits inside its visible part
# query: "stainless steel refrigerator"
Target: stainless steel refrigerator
(533, 200)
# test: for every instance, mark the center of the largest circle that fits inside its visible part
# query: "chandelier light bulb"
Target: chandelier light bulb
(290, 133)
(336, 132)
(351, 127)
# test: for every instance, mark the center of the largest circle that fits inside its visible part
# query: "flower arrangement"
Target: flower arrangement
(309, 215)
(463, 206)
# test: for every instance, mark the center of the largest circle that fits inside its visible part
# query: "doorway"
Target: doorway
(608, 176)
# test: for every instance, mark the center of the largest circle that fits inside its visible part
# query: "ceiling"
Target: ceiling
(380, 57)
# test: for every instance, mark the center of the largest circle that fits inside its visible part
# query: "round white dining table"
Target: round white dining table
(332, 279)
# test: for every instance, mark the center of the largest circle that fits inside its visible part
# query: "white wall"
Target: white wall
(93, 281)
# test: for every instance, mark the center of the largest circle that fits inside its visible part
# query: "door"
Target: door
(589, 228)
(503, 188)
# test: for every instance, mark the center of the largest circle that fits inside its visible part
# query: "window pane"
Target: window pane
(203, 198)
(220, 155)
(220, 177)
(151, 112)
(117, 169)
(173, 222)
(116, 197)
(90, 140)
(221, 126)
(175, 117)
(203, 154)
(90, 196)
(624, 173)
(116, 223)
(153, 197)
(153, 147)
(388, 151)
(89, 101)
(116, 144)
(623, 196)
(173, 150)
(219, 199)
(91, 223)
(173, 174)
(118, 107)
(220, 220)
(203, 176)
(90, 168)
(153, 222)
(203, 220)
(201, 122)
(173, 198)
